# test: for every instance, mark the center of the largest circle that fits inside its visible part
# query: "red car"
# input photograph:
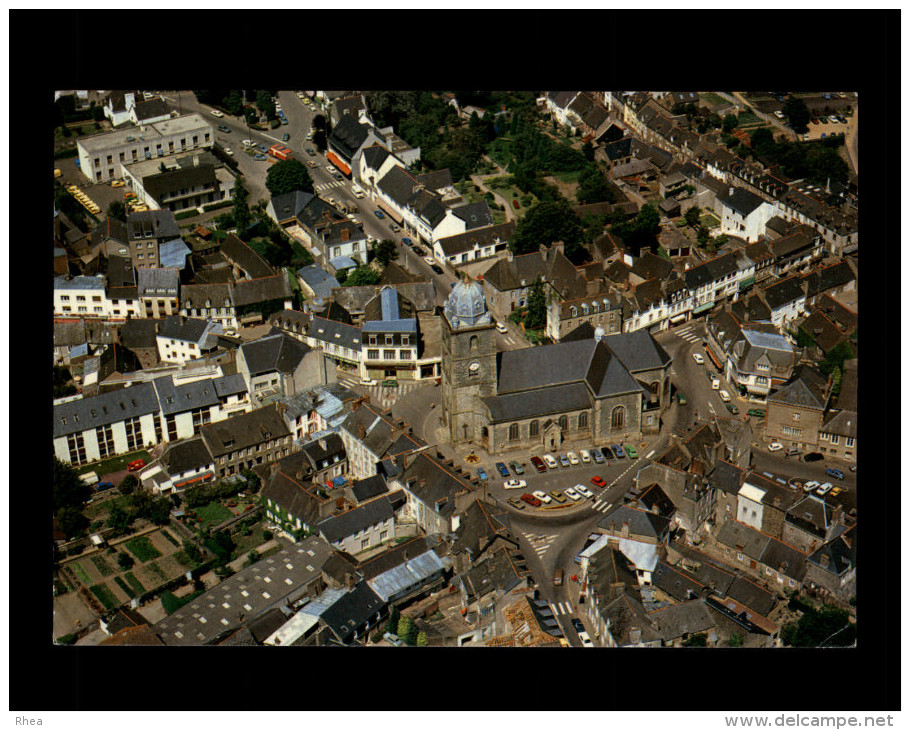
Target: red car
(136, 465)
(531, 500)
(598, 481)
(538, 463)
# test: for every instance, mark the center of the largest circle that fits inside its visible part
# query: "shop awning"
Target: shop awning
(186, 482)
(703, 308)
(747, 282)
(713, 358)
(338, 162)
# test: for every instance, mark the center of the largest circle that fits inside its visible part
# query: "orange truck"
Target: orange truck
(280, 152)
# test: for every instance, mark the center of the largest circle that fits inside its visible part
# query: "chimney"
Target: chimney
(195, 160)
(625, 530)
(543, 251)
(824, 559)
(731, 191)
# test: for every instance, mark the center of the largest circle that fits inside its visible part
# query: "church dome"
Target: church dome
(466, 306)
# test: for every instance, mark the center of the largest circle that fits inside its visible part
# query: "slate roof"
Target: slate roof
(279, 352)
(70, 334)
(338, 333)
(783, 293)
(537, 402)
(434, 483)
(474, 215)
(365, 489)
(749, 541)
(159, 224)
(742, 201)
(711, 270)
(106, 408)
(675, 582)
(185, 455)
(137, 333)
(640, 522)
(321, 282)
(339, 527)
(288, 205)
(841, 553)
(727, 477)
(151, 109)
(843, 423)
(751, 309)
(187, 329)
(478, 527)
(556, 269)
(245, 257)
(244, 430)
(299, 499)
(398, 184)
(637, 351)
(348, 135)
(478, 237)
(826, 278)
(374, 156)
(498, 572)
(806, 389)
(181, 398)
(422, 294)
(628, 620)
(682, 619)
(264, 289)
(785, 559)
(389, 312)
(436, 179)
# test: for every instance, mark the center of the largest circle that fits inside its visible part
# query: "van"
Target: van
(557, 577)
(715, 384)
(724, 396)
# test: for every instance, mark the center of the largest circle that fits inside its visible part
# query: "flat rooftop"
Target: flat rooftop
(147, 132)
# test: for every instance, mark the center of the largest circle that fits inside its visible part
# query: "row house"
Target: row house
(231, 304)
(474, 244)
(717, 279)
(82, 296)
(187, 403)
(247, 440)
(336, 238)
(283, 365)
(182, 464)
(180, 339)
(787, 301)
(371, 436)
(602, 310)
(795, 413)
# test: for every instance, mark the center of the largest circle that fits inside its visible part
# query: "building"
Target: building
(795, 413)
(391, 340)
(182, 464)
(180, 339)
(81, 296)
(177, 183)
(146, 231)
(581, 390)
(158, 291)
(125, 107)
(334, 239)
(281, 364)
(247, 440)
(101, 155)
(367, 526)
(474, 244)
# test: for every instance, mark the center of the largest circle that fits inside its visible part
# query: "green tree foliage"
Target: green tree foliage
(729, 123)
(735, 640)
(404, 628)
(825, 626)
(692, 216)
(68, 489)
(72, 208)
(249, 115)
(71, 521)
(287, 176)
(62, 382)
(118, 518)
(797, 114)
(385, 251)
(537, 306)
(117, 210)
(265, 104)
(545, 223)
(362, 276)
(645, 225)
(125, 560)
(129, 483)
(834, 359)
(392, 625)
(241, 210)
(593, 187)
(422, 639)
(233, 103)
(696, 640)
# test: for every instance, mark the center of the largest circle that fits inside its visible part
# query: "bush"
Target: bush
(66, 639)
(128, 485)
(125, 561)
(266, 535)
(215, 206)
(186, 214)
(376, 637)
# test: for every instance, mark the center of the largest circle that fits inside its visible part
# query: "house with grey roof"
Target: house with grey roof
(436, 492)
(281, 364)
(743, 213)
(146, 230)
(247, 440)
(371, 435)
(316, 283)
(182, 464)
(795, 413)
(339, 341)
(473, 244)
(351, 618)
(681, 621)
(245, 262)
(180, 339)
(831, 568)
(335, 239)
(82, 296)
(717, 279)
(291, 501)
(158, 290)
(364, 527)
(187, 402)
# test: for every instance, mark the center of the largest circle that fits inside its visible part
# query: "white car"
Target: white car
(514, 484)
(832, 119)
(811, 486)
(228, 151)
(779, 114)
(573, 458)
(585, 456)
(216, 113)
(824, 489)
(430, 260)
(583, 491)
(543, 496)
(585, 640)
(775, 446)
(330, 169)
(550, 461)
(247, 143)
(500, 327)
(301, 95)
(573, 494)
(724, 396)
(698, 358)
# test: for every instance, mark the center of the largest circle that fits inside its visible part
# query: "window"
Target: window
(513, 432)
(583, 420)
(64, 297)
(835, 439)
(372, 340)
(760, 380)
(404, 354)
(77, 448)
(384, 535)
(618, 417)
(472, 343)
(388, 354)
(133, 434)
(534, 429)
(564, 423)
(405, 339)
(796, 417)
(849, 441)
(365, 543)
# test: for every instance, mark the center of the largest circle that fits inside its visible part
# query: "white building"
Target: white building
(82, 296)
(181, 339)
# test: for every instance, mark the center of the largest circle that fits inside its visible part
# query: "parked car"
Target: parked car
(216, 113)
(816, 120)
(516, 467)
(811, 486)
(557, 496)
(794, 451)
(338, 176)
(564, 461)
(224, 128)
(139, 463)
(516, 503)
(584, 456)
(853, 468)
(310, 163)
(732, 408)
(263, 149)
(330, 169)
(630, 450)
(285, 137)
(392, 639)
(542, 496)
(550, 461)
(775, 446)
(681, 398)
(430, 260)
(824, 489)
(573, 458)
(836, 491)
(832, 119)
(757, 412)
(779, 114)
(597, 456)
(379, 214)
(407, 241)
(437, 269)
(228, 151)
(618, 451)
(813, 456)
(481, 472)
(311, 152)
(503, 469)
(538, 463)
(531, 500)
(585, 640)
(101, 486)
(724, 396)
(832, 472)
(260, 158)
(501, 328)
(607, 451)
(577, 625)
(584, 491)
(573, 494)
(418, 250)
(715, 383)
(514, 484)
(698, 358)
(395, 227)
(598, 481)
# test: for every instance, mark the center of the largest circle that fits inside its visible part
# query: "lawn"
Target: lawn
(156, 569)
(103, 566)
(124, 587)
(245, 543)
(143, 549)
(214, 513)
(117, 463)
(105, 596)
(709, 221)
(81, 574)
(746, 118)
(134, 583)
(712, 99)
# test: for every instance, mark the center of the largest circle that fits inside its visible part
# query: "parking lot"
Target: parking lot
(828, 128)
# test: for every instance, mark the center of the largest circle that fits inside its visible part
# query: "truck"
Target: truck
(280, 152)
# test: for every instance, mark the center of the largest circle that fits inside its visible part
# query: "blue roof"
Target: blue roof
(79, 282)
(389, 300)
(767, 340)
(172, 254)
(343, 262)
(390, 325)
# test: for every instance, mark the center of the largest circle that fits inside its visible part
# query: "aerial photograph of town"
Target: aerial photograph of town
(429, 368)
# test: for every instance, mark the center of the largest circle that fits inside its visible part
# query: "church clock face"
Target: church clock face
(474, 366)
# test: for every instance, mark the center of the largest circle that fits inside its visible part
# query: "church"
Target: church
(577, 392)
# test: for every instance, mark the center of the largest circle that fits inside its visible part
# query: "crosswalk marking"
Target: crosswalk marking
(601, 506)
(540, 542)
(380, 395)
(322, 187)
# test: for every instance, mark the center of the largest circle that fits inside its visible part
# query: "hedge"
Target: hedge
(63, 154)
(186, 214)
(215, 206)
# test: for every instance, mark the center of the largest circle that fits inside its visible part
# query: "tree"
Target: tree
(159, 511)
(593, 187)
(587, 149)
(537, 306)
(797, 114)
(71, 521)
(129, 483)
(735, 640)
(825, 626)
(68, 489)
(404, 628)
(287, 176)
(762, 141)
(118, 518)
(392, 625)
(548, 222)
(696, 640)
(362, 276)
(692, 216)
(385, 251)
(265, 104)
(117, 210)
(729, 123)
(125, 560)
(250, 115)
(241, 211)
(422, 639)
(703, 236)
(233, 103)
